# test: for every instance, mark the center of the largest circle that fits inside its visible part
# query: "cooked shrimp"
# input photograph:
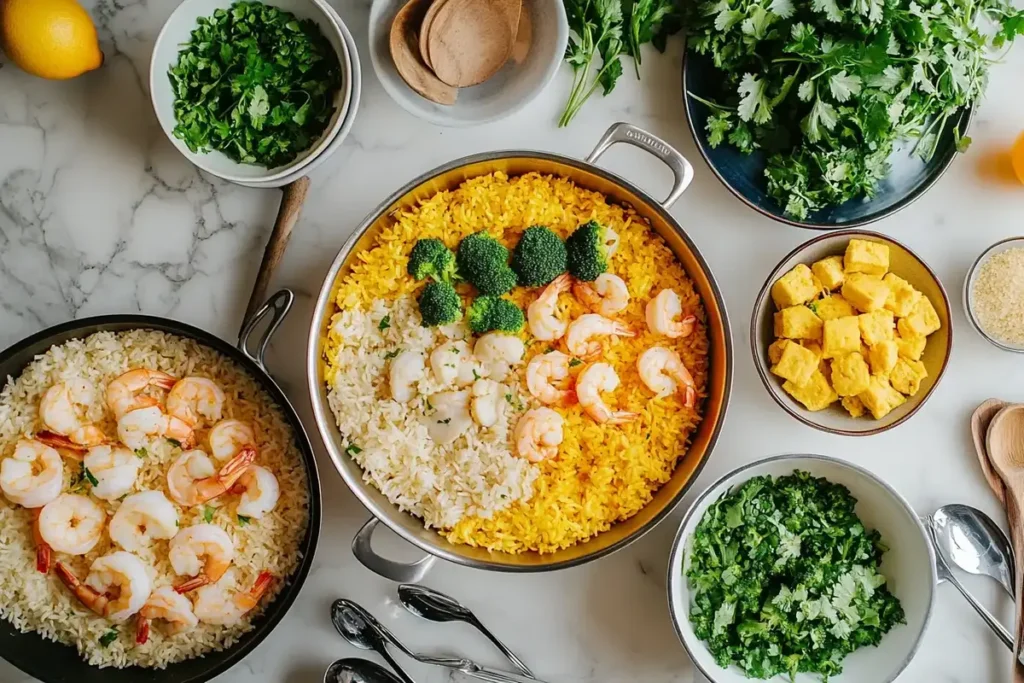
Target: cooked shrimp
(662, 312)
(663, 372)
(142, 518)
(117, 586)
(452, 363)
(608, 294)
(192, 478)
(72, 524)
(229, 437)
(581, 339)
(407, 368)
(497, 354)
(260, 492)
(193, 398)
(542, 314)
(33, 475)
(488, 402)
(546, 374)
(204, 552)
(222, 603)
(44, 553)
(595, 379)
(450, 417)
(137, 428)
(538, 434)
(114, 468)
(123, 394)
(168, 606)
(59, 411)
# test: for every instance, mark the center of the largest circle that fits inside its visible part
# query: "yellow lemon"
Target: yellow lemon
(49, 38)
(1017, 157)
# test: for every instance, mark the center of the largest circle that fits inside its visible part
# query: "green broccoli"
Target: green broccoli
(430, 258)
(488, 313)
(440, 304)
(587, 251)
(539, 257)
(483, 261)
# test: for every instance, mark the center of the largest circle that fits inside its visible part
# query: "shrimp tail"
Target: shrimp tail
(686, 325)
(142, 630)
(44, 553)
(585, 293)
(60, 442)
(251, 598)
(227, 477)
(622, 417)
(690, 397)
(195, 582)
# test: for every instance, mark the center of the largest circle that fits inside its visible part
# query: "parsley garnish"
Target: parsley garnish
(141, 452)
(108, 637)
(476, 375)
(444, 421)
(574, 362)
(86, 474)
(384, 323)
(174, 442)
(243, 520)
(208, 513)
(353, 449)
(392, 354)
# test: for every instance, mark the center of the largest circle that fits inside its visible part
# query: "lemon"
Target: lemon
(1017, 157)
(49, 38)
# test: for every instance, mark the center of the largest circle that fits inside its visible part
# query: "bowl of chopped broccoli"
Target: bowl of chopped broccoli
(803, 566)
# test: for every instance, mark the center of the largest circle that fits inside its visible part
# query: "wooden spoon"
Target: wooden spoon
(469, 41)
(511, 9)
(524, 36)
(1005, 444)
(405, 51)
(980, 421)
(428, 19)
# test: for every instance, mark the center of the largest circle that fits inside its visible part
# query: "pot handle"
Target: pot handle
(681, 169)
(399, 572)
(279, 304)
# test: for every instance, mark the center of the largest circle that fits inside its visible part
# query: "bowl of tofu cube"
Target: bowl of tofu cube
(851, 333)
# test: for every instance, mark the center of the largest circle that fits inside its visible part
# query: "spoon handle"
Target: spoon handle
(993, 623)
(1014, 518)
(511, 656)
(383, 652)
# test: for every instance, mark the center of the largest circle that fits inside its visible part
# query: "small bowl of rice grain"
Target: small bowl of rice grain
(994, 294)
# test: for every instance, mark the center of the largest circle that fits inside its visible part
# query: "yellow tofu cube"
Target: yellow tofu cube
(797, 322)
(882, 357)
(796, 287)
(863, 256)
(877, 326)
(831, 307)
(922, 321)
(811, 345)
(841, 336)
(867, 293)
(797, 364)
(902, 295)
(853, 406)
(907, 375)
(829, 272)
(850, 374)
(816, 394)
(775, 350)
(911, 347)
(880, 398)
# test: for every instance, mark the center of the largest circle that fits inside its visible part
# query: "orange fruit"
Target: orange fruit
(1017, 157)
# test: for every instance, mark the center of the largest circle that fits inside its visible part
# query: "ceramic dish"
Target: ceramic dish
(972, 274)
(743, 174)
(908, 565)
(176, 32)
(508, 91)
(903, 263)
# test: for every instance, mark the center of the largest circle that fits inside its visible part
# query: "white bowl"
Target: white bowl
(908, 565)
(968, 298)
(508, 91)
(176, 32)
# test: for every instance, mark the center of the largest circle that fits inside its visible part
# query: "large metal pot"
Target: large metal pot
(587, 175)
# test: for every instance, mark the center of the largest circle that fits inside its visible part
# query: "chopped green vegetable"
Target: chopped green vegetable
(431, 258)
(174, 442)
(439, 304)
(384, 323)
(93, 481)
(256, 83)
(142, 452)
(391, 354)
(483, 261)
(587, 251)
(208, 513)
(243, 520)
(488, 313)
(785, 578)
(353, 449)
(108, 637)
(574, 362)
(539, 257)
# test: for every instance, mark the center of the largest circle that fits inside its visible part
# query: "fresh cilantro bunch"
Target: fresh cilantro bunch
(827, 87)
(255, 83)
(785, 578)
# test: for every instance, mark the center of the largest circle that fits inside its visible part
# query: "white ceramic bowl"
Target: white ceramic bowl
(908, 565)
(968, 299)
(508, 91)
(176, 32)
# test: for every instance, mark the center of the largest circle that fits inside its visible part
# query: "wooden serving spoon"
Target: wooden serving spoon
(428, 20)
(404, 44)
(469, 41)
(980, 421)
(1005, 444)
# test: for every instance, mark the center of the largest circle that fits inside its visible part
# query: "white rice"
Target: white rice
(34, 602)
(476, 475)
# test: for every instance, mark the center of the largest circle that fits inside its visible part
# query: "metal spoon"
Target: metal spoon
(354, 628)
(436, 606)
(971, 540)
(355, 670)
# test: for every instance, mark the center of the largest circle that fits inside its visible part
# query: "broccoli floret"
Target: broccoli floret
(483, 261)
(488, 313)
(539, 257)
(440, 304)
(587, 252)
(430, 258)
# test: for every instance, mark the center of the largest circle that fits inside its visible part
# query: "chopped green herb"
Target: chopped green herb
(444, 421)
(174, 442)
(353, 449)
(208, 513)
(392, 354)
(574, 362)
(384, 323)
(108, 637)
(454, 349)
(89, 476)
(141, 452)
(476, 375)
(243, 520)
(550, 349)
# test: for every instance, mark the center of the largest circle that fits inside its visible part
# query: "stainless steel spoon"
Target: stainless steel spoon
(354, 628)
(436, 606)
(971, 540)
(355, 670)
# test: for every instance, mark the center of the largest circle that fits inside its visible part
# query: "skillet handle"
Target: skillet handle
(399, 572)
(278, 306)
(682, 170)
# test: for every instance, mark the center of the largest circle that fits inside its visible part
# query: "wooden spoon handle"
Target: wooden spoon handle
(1014, 518)
(287, 216)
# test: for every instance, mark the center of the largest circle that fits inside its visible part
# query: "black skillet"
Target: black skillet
(55, 663)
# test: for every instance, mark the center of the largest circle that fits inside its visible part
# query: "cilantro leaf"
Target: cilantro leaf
(107, 638)
(208, 513)
(384, 323)
(844, 85)
(754, 104)
(243, 520)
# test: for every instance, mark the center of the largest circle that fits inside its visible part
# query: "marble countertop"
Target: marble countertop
(99, 214)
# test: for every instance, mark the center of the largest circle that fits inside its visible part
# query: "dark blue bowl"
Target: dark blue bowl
(743, 174)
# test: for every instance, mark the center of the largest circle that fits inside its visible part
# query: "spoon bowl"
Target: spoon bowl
(359, 628)
(971, 540)
(355, 670)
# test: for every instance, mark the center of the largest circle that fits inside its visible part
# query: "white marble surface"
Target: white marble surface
(99, 214)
